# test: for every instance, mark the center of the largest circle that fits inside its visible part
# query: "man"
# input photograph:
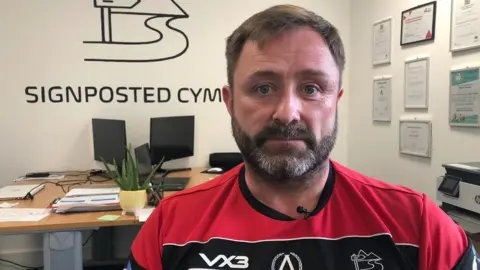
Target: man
(290, 207)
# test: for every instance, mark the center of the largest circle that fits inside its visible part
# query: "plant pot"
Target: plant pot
(131, 201)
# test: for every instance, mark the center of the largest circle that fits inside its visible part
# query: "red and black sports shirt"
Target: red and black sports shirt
(359, 223)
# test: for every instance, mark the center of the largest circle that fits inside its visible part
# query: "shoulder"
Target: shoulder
(410, 214)
(396, 209)
(371, 185)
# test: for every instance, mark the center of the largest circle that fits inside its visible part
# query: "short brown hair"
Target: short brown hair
(267, 24)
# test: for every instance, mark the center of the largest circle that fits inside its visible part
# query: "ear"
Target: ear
(227, 96)
(340, 94)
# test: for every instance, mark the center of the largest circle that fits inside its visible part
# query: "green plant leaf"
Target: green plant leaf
(120, 176)
(113, 175)
(132, 179)
(154, 170)
(129, 178)
(136, 175)
(124, 176)
(144, 185)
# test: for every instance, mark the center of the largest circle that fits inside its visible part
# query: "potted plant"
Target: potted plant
(133, 193)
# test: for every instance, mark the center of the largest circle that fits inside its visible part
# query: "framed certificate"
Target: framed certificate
(416, 137)
(382, 99)
(416, 83)
(464, 97)
(418, 24)
(382, 42)
(465, 25)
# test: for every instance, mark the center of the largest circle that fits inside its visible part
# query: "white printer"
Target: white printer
(459, 192)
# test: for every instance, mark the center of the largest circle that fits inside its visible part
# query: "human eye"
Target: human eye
(310, 89)
(263, 89)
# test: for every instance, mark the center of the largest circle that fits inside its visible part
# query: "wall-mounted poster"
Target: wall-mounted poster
(382, 42)
(382, 99)
(416, 83)
(416, 137)
(465, 25)
(465, 97)
(418, 24)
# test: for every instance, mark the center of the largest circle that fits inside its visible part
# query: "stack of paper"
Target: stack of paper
(89, 200)
(23, 214)
(92, 191)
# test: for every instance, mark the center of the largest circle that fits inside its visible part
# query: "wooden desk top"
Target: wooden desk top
(86, 220)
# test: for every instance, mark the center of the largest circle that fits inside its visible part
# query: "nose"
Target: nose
(288, 108)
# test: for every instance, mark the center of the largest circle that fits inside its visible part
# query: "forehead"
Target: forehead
(287, 54)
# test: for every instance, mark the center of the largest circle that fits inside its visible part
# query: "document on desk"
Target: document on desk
(92, 191)
(144, 213)
(50, 177)
(87, 203)
(23, 214)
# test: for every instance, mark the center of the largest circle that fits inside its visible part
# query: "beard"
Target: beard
(287, 164)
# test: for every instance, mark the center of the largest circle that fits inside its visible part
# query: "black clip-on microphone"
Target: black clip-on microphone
(304, 211)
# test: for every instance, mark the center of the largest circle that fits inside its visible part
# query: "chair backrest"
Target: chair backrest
(226, 160)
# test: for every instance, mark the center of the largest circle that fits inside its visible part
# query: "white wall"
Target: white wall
(370, 147)
(42, 45)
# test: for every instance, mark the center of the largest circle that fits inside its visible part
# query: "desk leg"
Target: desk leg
(62, 250)
(102, 245)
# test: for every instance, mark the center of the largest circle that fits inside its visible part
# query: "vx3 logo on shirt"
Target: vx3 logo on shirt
(287, 261)
(220, 261)
(364, 261)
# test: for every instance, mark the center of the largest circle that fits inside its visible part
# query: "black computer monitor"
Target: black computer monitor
(109, 140)
(171, 137)
(142, 154)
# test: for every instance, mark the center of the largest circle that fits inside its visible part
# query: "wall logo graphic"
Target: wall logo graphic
(137, 31)
(364, 261)
(287, 261)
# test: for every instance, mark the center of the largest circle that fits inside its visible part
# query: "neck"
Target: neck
(285, 197)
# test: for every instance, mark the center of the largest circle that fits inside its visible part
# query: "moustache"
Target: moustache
(277, 131)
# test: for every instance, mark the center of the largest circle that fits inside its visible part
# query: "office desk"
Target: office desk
(62, 243)
(60, 221)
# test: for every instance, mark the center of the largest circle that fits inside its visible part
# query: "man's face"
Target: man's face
(283, 105)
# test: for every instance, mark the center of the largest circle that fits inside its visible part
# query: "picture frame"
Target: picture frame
(382, 99)
(415, 137)
(382, 42)
(418, 24)
(464, 97)
(416, 83)
(464, 25)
